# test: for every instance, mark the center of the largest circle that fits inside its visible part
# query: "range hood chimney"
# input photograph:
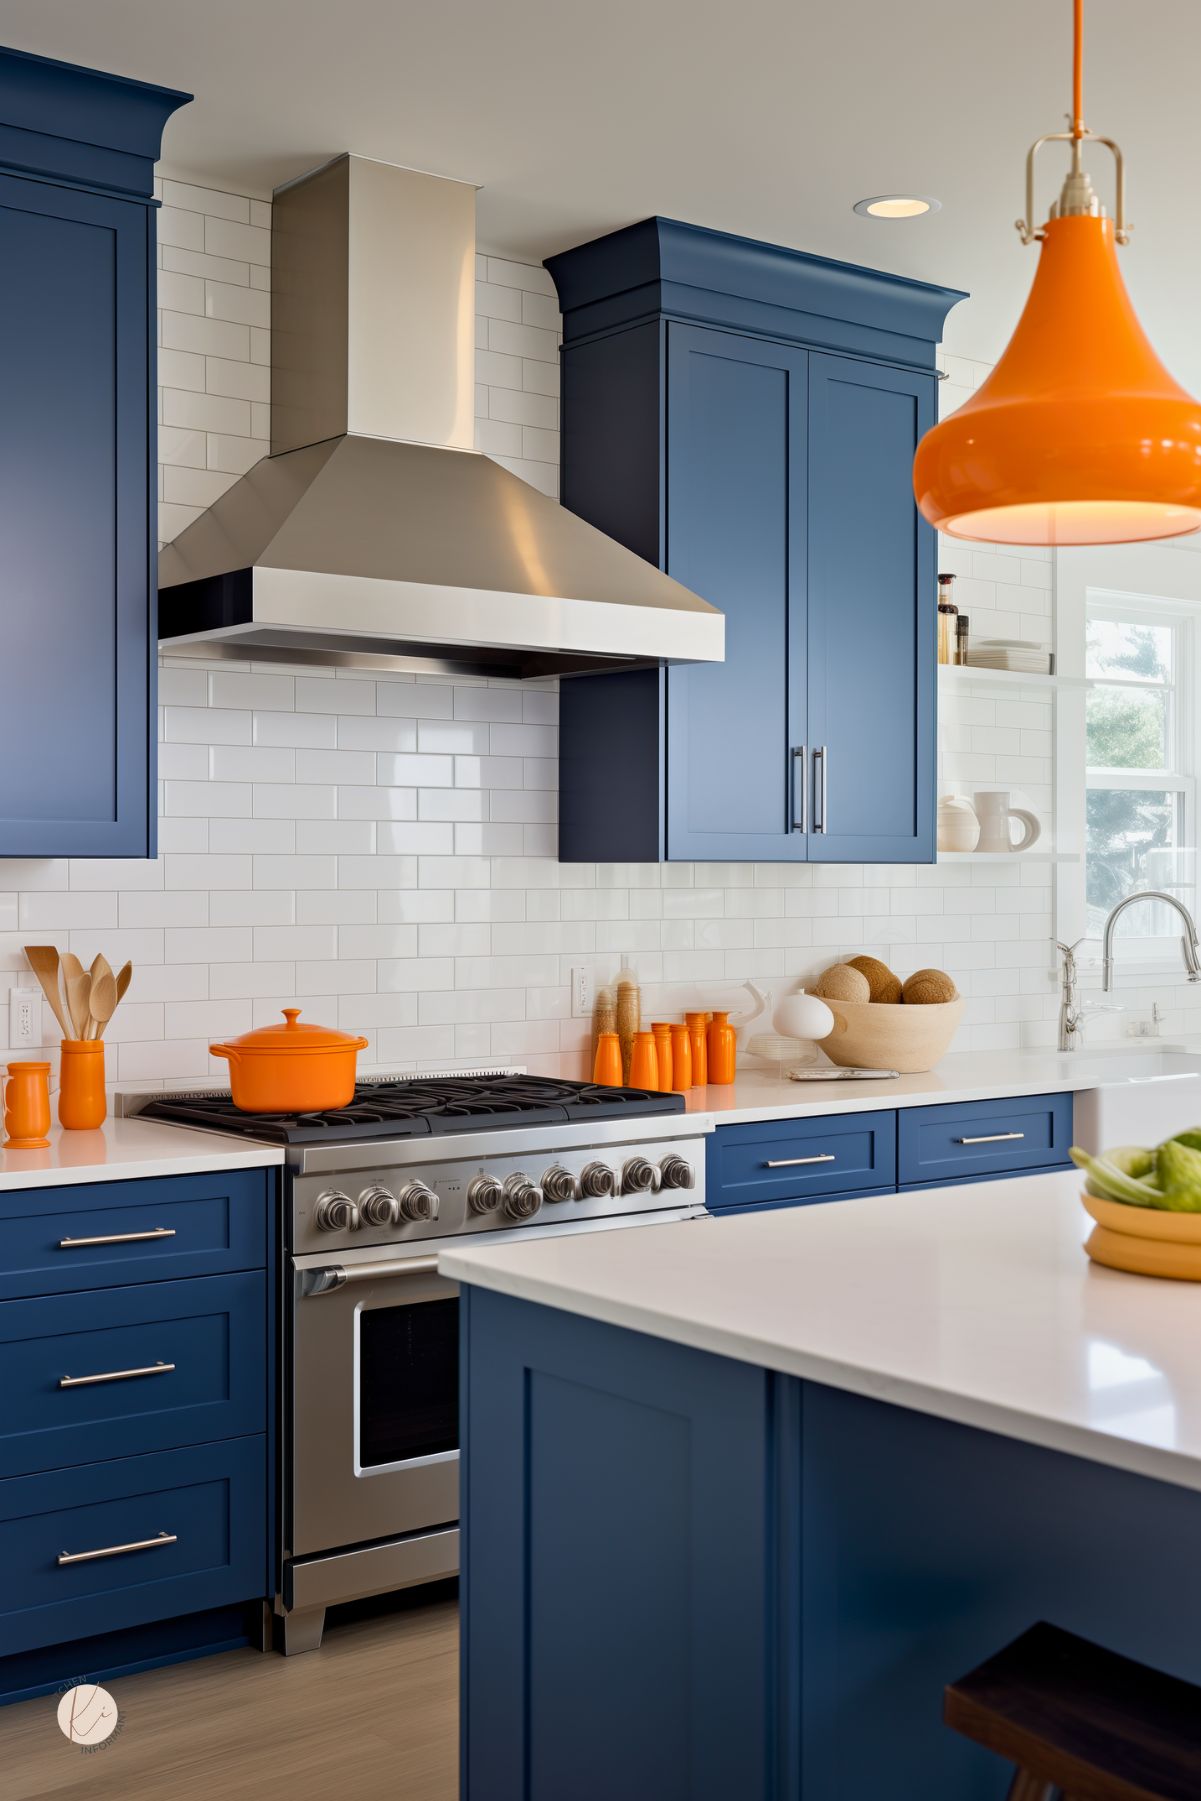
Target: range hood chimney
(374, 534)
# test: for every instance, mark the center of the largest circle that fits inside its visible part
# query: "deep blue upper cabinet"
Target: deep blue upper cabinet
(77, 459)
(746, 417)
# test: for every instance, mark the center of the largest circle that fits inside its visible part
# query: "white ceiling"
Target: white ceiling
(767, 117)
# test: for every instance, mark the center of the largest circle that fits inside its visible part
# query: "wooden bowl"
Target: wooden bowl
(1144, 1241)
(880, 1035)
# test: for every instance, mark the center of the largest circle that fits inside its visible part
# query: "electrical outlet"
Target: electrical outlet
(24, 1018)
(583, 992)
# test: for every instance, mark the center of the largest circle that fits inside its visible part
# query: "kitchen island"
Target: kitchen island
(742, 1495)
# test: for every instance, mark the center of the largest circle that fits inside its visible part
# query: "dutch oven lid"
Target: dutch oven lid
(294, 1037)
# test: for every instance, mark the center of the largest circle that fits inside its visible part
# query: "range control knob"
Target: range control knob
(417, 1203)
(335, 1212)
(676, 1172)
(558, 1184)
(596, 1181)
(484, 1194)
(639, 1176)
(378, 1207)
(522, 1197)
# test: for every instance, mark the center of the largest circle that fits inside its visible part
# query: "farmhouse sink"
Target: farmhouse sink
(1139, 1097)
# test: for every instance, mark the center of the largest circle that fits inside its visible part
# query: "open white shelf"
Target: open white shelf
(1002, 856)
(955, 675)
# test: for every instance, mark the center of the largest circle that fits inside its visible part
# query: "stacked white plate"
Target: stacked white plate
(1019, 654)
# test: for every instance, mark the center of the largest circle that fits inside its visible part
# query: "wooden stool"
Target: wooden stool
(1081, 1723)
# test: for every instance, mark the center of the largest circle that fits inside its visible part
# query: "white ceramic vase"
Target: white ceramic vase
(994, 813)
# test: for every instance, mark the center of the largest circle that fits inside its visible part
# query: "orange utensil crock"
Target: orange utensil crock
(291, 1068)
(81, 1099)
(27, 1107)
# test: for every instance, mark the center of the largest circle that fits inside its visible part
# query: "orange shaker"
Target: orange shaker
(606, 1067)
(81, 1099)
(662, 1032)
(27, 1107)
(681, 1059)
(644, 1063)
(722, 1048)
(697, 1025)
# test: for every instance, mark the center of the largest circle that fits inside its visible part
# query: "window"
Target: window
(1141, 762)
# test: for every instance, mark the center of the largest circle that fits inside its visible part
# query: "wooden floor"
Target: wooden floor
(372, 1715)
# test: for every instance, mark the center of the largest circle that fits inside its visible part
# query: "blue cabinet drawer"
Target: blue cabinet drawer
(127, 1370)
(108, 1234)
(984, 1138)
(792, 1159)
(176, 1532)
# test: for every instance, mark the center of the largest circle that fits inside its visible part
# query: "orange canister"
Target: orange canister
(662, 1032)
(697, 1030)
(81, 1100)
(27, 1107)
(606, 1066)
(681, 1059)
(722, 1048)
(644, 1063)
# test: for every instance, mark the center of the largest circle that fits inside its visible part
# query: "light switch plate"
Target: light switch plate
(24, 1018)
(583, 992)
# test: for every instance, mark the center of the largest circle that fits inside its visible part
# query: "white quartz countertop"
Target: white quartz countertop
(128, 1150)
(964, 1076)
(974, 1303)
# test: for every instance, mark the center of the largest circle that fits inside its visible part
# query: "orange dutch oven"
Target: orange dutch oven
(291, 1068)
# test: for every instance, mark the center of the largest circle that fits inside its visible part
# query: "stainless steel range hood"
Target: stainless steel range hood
(374, 534)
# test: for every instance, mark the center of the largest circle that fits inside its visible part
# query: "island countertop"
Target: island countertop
(975, 1304)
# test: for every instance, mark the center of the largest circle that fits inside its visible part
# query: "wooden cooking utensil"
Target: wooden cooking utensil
(102, 1000)
(43, 960)
(124, 975)
(79, 989)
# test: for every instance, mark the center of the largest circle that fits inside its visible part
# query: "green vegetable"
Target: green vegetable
(1178, 1167)
(1192, 1138)
(1128, 1174)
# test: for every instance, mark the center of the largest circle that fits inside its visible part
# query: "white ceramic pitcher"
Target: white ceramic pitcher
(994, 813)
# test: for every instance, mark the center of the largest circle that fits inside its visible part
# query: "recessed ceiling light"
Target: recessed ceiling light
(897, 206)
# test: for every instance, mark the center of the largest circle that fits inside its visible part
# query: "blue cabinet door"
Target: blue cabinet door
(871, 602)
(76, 465)
(735, 534)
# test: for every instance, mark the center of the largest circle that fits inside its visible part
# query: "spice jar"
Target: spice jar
(948, 613)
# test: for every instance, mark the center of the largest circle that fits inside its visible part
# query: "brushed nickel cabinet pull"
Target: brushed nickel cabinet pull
(75, 1244)
(821, 768)
(800, 790)
(992, 1138)
(150, 1369)
(793, 1162)
(139, 1544)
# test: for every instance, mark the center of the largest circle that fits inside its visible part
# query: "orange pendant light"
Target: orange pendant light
(1079, 435)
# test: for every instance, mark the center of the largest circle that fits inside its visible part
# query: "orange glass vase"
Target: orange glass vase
(606, 1066)
(681, 1059)
(698, 1040)
(27, 1107)
(644, 1062)
(81, 1100)
(662, 1032)
(722, 1048)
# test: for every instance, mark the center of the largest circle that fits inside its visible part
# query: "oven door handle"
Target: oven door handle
(337, 1275)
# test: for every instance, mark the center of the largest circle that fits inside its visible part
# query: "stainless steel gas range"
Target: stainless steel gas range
(370, 1344)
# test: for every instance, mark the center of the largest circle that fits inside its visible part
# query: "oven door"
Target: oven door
(375, 1402)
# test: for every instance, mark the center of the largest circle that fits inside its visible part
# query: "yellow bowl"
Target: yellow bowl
(1144, 1241)
(890, 1035)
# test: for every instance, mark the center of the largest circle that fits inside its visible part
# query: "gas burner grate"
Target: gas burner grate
(420, 1106)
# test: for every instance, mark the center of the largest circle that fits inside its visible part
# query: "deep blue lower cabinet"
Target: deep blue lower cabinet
(137, 1462)
(787, 1162)
(688, 1579)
